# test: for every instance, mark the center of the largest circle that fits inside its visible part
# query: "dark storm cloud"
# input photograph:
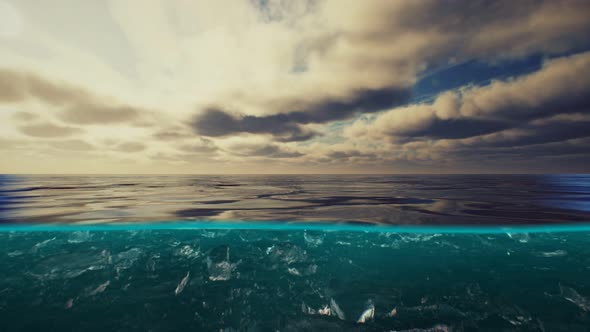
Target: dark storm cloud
(287, 126)
(77, 105)
(48, 130)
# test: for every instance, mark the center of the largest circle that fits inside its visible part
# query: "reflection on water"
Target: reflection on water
(433, 200)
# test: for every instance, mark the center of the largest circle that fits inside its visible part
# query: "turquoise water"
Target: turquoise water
(269, 280)
(295, 253)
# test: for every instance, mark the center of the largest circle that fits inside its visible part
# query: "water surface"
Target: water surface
(295, 253)
(397, 200)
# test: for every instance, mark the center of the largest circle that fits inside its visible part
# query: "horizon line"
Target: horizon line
(240, 225)
(352, 173)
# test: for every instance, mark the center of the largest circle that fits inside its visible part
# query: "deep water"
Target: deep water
(293, 280)
(295, 253)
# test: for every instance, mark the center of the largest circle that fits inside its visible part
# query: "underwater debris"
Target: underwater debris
(392, 313)
(70, 265)
(310, 270)
(79, 237)
(101, 288)
(14, 253)
(435, 328)
(438, 309)
(313, 239)
(335, 309)
(221, 271)
(42, 244)
(325, 311)
(286, 253)
(150, 264)
(306, 309)
(188, 252)
(516, 316)
(368, 314)
(126, 259)
(69, 303)
(182, 284)
(556, 253)
(574, 297)
(520, 237)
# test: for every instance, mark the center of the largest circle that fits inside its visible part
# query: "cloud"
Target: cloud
(191, 78)
(288, 126)
(367, 55)
(256, 146)
(19, 86)
(131, 147)
(199, 146)
(351, 155)
(72, 144)
(562, 86)
(25, 116)
(48, 130)
(76, 105)
(433, 29)
(85, 114)
(217, 123)
(554, 129)
(273, 151)
(174, 134)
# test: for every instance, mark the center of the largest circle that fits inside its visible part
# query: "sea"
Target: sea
(295, 253)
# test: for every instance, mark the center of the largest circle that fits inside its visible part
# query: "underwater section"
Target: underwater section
(293, 280)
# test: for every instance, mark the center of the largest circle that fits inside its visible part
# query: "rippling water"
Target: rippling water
(295, 253)
(433, 200)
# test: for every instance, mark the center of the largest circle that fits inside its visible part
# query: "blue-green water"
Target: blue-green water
(295, 253)
(271, 280)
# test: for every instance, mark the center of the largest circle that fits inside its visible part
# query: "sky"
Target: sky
(294, 86)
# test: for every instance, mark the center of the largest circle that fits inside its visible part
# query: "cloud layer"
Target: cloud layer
(295, 85)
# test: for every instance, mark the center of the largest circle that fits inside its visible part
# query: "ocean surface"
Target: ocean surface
(295, 253)
(398, 200)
